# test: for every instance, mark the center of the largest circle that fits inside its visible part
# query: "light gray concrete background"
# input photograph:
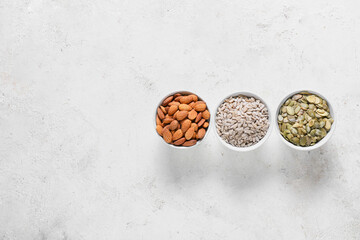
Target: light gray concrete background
(79, 157)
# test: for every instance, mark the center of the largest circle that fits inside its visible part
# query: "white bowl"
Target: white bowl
(258, 144)
(322, 141)
(182, 147)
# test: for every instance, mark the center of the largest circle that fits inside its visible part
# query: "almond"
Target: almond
(189, 133)
(194, 135)
(177, 95)
(189, 143)
(201, 133)
(198, 117)
(185, 125)
(194, 126)
(158, 122)
(174, 103)
(178, 98)
(200, 102)
(159, 129)
(163, 109)
(201, 122)
(184, 107)
(160, 114)
(167, 109)
(181, 115)
(186, 99)
(174, 125)
(168, 120)
(206, 114)
(192, 104)
(166, 127)
(194, 97)
(192, 114)
(167, 135)
(172, 109)
(200, 107)
(167, 100)
(178, 134)
(180, 141)
(175, 114)
(206, 124)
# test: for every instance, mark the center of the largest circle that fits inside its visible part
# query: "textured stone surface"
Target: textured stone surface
(73, 165)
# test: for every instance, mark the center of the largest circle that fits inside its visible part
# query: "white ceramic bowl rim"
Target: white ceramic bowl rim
(258, 144)
(322, 141)
(208, 128)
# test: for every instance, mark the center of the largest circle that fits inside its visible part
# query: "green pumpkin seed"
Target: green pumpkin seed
(311, 98)
(295, 140)
(290, 110)
(327, 124)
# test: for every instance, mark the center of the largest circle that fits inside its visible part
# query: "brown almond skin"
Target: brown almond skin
(200, 102)
(181, 115)
(177, 95)
(194, 126)
(184, 107)
(179, 142)
(158, 122)
(172, 109)
(189, 133)
(163, 109)
(186, 99)
(206, 124)
(201, 122)
(206, 114)
(166, 127)
(192, 104)
(194, 97)
(200, 107)
(168, 120)
(198, 117)
(185, 125)
(201, 133)
(175, 114)
(192, 114)
(189, 143)
(167, 136)
(194, 135)
(174, 125)
(178, 134)
(160, 114)
(178, 98)
(159, 129)
(174, 103)
(167, 100)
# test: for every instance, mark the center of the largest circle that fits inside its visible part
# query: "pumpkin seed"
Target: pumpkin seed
(311, 98)
(327, 124)
(290, 110)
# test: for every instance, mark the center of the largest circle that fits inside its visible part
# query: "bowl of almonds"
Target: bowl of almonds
(182, 119)
(305, 120)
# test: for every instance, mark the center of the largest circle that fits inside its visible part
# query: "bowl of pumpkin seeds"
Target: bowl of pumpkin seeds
(305, 120)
